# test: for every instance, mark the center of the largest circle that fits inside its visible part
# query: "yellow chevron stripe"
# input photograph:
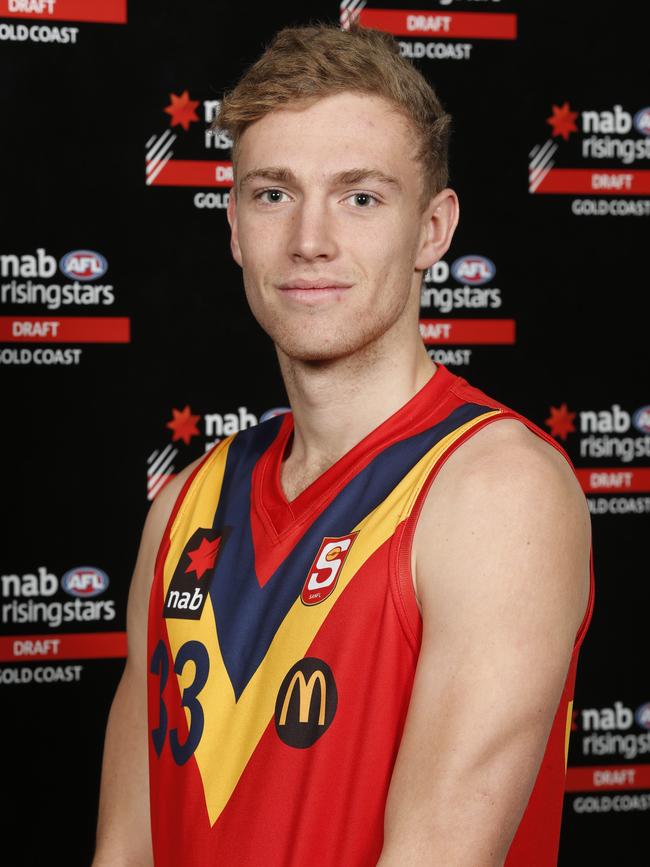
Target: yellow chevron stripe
(240, 725)
(203, 498)
(567, 733)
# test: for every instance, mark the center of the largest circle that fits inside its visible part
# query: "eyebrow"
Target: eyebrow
(280, 174)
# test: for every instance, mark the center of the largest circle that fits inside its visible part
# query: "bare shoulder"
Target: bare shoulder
(163, 504)
(506, 496)
(508, 445)
(505, 461)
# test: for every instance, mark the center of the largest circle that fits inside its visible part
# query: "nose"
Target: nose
(313, 231)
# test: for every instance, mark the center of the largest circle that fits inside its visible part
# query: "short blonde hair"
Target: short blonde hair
(303, 64)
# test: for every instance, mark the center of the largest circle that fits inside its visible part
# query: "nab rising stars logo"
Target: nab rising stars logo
(190, 130)
(612, 141)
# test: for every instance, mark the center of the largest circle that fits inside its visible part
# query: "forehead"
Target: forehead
(345, 128)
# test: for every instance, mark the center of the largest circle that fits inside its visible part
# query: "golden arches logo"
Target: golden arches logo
(306, 702)
(305, 691)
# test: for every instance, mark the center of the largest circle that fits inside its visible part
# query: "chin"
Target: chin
(319, 349)
(312, 352)
(312, 341)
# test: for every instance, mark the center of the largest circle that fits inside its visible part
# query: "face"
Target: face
(326, 227)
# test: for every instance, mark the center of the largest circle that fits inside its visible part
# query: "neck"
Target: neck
(337, 403)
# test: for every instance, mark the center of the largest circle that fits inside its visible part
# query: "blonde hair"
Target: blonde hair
(303, 64)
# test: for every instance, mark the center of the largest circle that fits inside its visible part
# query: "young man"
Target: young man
(363, 616)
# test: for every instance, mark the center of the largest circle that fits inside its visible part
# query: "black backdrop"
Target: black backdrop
(90, 382)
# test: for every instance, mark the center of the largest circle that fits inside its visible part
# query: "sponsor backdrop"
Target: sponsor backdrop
(127, 349)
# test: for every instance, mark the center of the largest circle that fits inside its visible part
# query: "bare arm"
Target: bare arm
(123, 828)
(502, 551)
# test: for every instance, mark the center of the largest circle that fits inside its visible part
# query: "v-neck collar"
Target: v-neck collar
(281, 516)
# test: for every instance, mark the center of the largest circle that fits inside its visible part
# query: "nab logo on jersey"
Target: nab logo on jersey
(324, 572)
(190, 584)
(306, 702)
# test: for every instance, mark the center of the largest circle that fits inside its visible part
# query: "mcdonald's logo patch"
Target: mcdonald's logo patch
(306, 702)
(326, 568)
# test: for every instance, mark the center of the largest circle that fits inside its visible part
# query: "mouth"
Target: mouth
(313, 290)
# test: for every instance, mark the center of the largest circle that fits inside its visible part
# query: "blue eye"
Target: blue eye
(369, 197)
(270, 190)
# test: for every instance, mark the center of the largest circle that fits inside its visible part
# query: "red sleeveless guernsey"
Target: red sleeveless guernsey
(283, 640)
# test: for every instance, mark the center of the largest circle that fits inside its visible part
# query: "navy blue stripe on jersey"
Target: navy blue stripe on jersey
(248, 615)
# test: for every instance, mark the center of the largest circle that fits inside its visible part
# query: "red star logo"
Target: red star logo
(203, 557)
(182, 109)
(560, 421)
(563, 121)
(183, 424)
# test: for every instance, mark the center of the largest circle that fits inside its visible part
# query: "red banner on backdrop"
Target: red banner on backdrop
(610, 182)
(191, 173)
(440, 24)
(607, 777)
(100, 11)
(90, 645)
(467, 330)
(613, 480)
(65, 329)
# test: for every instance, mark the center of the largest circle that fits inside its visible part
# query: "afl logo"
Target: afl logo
(83, 265)
(84, 581)
(272, 413)
(473, 270)
(306, 703)
(642, 120)
(326, 568)
(641, 419)
(642, 715)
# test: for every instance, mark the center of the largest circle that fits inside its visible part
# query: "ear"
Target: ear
(231, 212)
(439, 223)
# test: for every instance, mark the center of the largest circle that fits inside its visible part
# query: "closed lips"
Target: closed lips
(315, 284)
